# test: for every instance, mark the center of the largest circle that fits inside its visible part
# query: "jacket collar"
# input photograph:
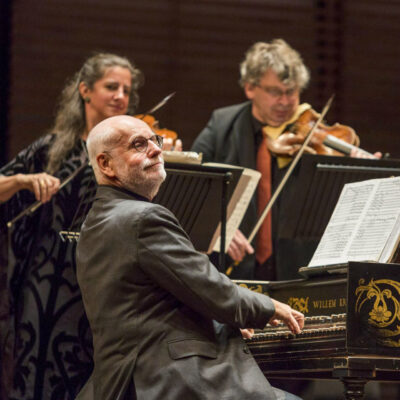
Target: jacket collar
(110, 191)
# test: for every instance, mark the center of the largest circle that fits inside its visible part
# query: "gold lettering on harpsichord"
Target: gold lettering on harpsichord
(326, 303)
(299, 304)
(342, 302)
(381, 300)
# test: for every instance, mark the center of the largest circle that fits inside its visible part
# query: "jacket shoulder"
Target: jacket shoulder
(232, 110)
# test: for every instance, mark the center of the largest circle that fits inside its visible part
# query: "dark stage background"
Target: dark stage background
(194, 48)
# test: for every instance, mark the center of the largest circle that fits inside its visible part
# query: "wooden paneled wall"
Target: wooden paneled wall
(194, 47)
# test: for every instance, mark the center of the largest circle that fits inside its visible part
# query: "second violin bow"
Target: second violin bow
(290, 169)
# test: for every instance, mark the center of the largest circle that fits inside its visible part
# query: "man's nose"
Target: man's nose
(285, 99)
(153, 149)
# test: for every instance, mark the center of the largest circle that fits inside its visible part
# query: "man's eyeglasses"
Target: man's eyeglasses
(278, 93)
(141, 143)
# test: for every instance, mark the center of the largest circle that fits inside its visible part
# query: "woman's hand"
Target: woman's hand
(169, 145)
(43, 185)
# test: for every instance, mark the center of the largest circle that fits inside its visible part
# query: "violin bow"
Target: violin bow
(286, 176)
(290, 170)
(33, 207)
(160, 104)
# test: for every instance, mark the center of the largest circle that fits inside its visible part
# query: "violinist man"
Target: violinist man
(273, 76)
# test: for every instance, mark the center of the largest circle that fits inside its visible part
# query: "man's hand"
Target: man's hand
(239, 247)
(288, 144)
(292, 318)
(43, 185)
(247, 333)
(359, 153)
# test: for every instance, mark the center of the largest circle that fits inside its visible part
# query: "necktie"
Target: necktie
(264, 239)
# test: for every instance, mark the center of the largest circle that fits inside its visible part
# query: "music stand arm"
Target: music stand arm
(224, 203)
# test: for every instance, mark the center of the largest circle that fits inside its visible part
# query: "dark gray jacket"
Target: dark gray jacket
(152, 302)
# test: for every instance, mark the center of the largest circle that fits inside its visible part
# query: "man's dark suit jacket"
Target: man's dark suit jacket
(152, 302)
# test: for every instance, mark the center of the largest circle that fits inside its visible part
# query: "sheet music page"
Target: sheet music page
(237, 206)
(394, 236)
(364, 225)
(184, 157)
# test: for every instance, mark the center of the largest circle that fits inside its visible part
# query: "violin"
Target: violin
(155, 126)
(324, 133)
(335, 140)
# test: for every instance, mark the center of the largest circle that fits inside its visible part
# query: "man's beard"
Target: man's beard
(147, 186)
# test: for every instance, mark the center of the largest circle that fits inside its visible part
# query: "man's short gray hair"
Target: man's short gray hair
(277, 56)
(102, 139)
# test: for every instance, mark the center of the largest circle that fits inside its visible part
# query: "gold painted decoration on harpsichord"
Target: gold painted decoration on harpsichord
(383, 299)
(253, 287)
(299, 304)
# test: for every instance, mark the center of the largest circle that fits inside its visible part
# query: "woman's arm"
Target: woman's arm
(43, 185)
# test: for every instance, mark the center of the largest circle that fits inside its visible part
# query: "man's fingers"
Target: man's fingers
(296, 321)
(247, 333)
(274, 322)
(242, 243)
(239, 246)
(178, 145)
(300, 319)
(293, 325)
(167, 144)
(234, 252)
(309, 150)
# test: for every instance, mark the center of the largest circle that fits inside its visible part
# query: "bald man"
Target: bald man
(152, 300)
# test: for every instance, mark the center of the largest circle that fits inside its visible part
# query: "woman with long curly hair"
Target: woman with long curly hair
(45, 338)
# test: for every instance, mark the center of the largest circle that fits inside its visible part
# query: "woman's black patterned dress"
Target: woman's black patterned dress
(47, 346)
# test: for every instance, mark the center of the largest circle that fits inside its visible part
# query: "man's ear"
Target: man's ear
(249, 90)
(105, 164)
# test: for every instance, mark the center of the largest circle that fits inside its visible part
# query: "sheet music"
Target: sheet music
(185, 157)
(237, 206)
(365, 225)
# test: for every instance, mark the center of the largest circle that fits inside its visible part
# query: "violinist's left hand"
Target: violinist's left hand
(168, 144)
(178, 145)
(359, 153)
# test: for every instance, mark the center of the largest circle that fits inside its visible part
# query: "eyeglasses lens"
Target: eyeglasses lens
(141, 143)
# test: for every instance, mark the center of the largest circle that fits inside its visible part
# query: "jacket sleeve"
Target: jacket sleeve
(206, 141)
(166, 254)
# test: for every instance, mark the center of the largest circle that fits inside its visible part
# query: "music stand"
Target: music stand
(198, 196)
(311, 198)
